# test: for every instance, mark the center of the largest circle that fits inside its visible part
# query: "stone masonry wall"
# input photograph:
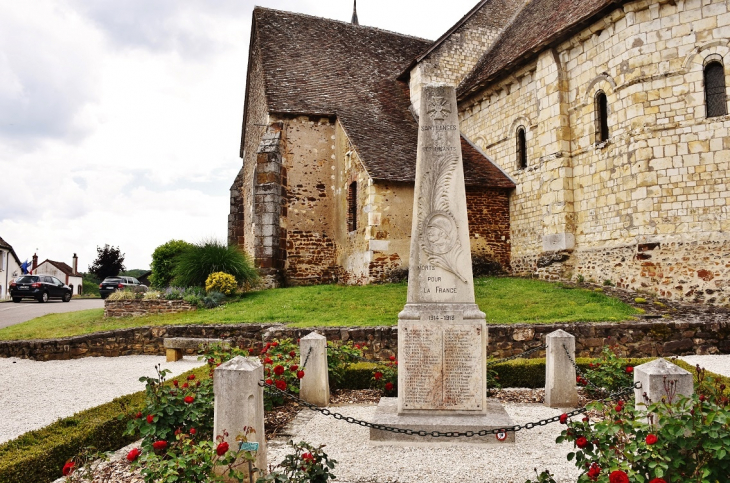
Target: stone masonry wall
(488, 215)
(136, 308)
(583, 208)
(457, 55)
(633, 339)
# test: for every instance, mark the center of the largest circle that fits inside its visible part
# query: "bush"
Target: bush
(163, 262)
(220, 282)
(124, 295)
(195, 264)
(339, 360)
(212, 300)
(152, 295)
(308, 464)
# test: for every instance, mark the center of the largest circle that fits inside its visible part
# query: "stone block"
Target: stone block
(314, 386)
(239, 403)
(173, 355)
(560, 388)
(661, 380)
(558, 242)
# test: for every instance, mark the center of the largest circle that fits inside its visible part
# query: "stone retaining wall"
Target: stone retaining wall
(136, 308)
(634, 339)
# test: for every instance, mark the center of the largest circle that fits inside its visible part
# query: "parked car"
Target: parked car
(39, 287)
(112, 284)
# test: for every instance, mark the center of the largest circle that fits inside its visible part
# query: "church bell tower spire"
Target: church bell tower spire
(354, 14)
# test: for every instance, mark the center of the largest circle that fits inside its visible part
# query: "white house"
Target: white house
(9, 267)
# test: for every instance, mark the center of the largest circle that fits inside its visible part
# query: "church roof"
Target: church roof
(538, 25)
(318, 66)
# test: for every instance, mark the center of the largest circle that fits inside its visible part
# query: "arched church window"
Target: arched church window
(521, 148)
(601, 117)
(715, 94)
(352, 207)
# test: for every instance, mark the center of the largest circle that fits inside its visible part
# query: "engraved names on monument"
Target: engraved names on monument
(442, 333)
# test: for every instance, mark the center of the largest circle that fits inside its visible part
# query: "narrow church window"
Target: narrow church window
(352, 207)
(715, 95)
(601, 117)
(521, 148)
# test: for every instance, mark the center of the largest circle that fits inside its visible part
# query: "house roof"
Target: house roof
(318, 66)
(61, 266)
(6, 245)
(539, 24)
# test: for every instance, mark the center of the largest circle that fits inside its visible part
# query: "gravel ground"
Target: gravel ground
(35, 394)
(360, 462)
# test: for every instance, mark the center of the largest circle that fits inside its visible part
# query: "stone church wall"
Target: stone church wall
(661, 180)
(457, 55)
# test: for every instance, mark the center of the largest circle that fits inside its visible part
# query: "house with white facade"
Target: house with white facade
(9, 267)
(62, 271)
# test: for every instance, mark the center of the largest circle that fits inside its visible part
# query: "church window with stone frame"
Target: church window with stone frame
(715, 92)
(352, 206)
(601, 117)
(521, 148)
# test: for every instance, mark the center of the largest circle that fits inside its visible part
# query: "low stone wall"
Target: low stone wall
(633, 339)
(136, 308)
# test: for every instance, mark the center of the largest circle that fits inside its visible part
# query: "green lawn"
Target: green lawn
(504, 300)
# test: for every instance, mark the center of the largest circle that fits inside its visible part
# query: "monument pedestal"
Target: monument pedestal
(443, 421)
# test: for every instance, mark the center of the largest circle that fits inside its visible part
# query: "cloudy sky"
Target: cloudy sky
(120, 119)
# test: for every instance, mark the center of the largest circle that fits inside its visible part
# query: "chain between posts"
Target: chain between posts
(449, 434)
(306, 359)
(579, 372)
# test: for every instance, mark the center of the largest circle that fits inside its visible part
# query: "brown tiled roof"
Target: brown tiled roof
(539, 24)
(61, 266)
(480, 171)
(318, 66)
(7, 246)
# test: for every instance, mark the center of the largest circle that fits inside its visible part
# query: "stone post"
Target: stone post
(239, 402)
(314, 386)
(560, 388)
(660, 379)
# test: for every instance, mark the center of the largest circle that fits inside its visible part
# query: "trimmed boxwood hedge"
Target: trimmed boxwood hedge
(38, 456)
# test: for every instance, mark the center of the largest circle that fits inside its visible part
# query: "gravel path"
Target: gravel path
(35, 394)
(719, 364)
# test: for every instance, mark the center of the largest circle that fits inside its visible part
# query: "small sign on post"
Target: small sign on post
(246, 446)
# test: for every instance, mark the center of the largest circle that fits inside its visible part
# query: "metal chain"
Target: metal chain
(580, 372)
(309, 353)
(518, 356)
(437, 434)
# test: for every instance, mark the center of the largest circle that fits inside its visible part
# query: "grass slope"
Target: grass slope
(504, 300)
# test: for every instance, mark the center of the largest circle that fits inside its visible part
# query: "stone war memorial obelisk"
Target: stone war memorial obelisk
(442, 334)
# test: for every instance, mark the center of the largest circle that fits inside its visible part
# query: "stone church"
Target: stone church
(594, 136)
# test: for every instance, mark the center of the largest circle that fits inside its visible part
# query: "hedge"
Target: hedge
(38, 456)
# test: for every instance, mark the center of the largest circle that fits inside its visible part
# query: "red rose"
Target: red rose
(175, 383)
(138, 415)
(281, 385)
(269, 382)
(292, 354)
(300, 374)
(68, 468)
(189, 399)
(274, 344)
(618, 476)
(594, 471)
(279, 370)
(191, 377)
(563, 418)
(590, 365)
(308, 457)
(657, 480)
(581, 442)
(586, 419)
(197, 383)
(222, 448)
(388, 386)
(185, 386)
(629, 370)
(618, 408)
(159, 445)
(357, 346)
(211, 361)
(268, 360)
(134, 454)
(378, 376)
(150, 418)
(702, 398)
(651, 439)
(294, 368)
(392, 358)
(193, 431)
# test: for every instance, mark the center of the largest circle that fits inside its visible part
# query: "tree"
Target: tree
(109, 262)
(163, 262)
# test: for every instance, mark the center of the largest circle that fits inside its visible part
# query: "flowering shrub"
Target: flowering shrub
(281, 370)
(608, 374)
(385, 377)
(220, 282)
(692, 443)
(307, 465)
(173, 408)
(340, 358)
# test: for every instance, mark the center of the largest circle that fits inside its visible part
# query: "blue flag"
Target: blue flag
(24, 267)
